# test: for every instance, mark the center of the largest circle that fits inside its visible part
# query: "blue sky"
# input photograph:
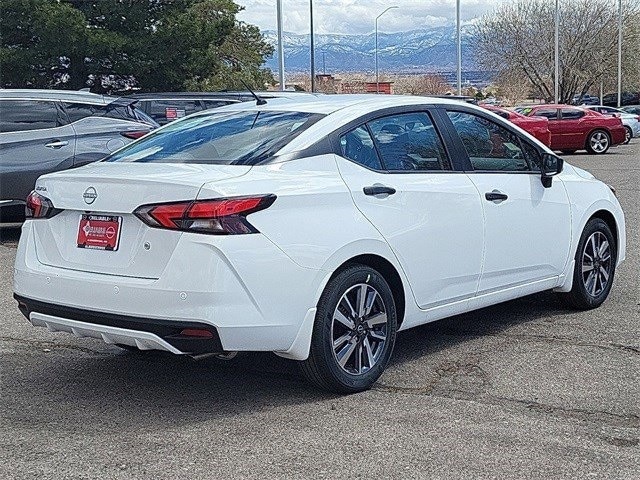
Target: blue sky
(357, 16)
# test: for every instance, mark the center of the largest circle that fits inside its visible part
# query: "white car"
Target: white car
(630, 121)
(315, 230)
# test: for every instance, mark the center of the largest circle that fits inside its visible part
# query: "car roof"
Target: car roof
(225, 94)
(59, 95)
(327, 104)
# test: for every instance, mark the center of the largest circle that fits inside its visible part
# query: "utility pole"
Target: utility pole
(376, 50)
(459, 48)
(557, 54)
(313, 53)
(324, 65)
(619, 53)
(280, 45)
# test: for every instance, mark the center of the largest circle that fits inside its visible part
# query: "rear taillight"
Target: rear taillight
(220, 216)
(39, 206)
(134, 134)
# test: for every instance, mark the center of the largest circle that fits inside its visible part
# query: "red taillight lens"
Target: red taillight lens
(39, 206)
(134, 134)
(221, 216)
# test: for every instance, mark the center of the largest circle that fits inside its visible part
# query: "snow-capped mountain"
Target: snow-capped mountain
(416, 51)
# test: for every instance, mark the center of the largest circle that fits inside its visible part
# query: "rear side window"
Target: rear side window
(22, 115)
(409, 141)
(78, 111)
(238, 138)
(215, 103)
(163, 111)
(571, 114)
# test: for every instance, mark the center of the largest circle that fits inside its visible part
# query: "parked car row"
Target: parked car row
(573, 128)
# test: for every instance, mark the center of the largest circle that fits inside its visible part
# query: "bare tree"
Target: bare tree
(431, 84)
(517, 40)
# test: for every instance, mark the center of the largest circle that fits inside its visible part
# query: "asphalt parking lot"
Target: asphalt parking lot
(526, 389)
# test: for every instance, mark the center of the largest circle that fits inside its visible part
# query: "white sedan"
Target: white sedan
(315, 230)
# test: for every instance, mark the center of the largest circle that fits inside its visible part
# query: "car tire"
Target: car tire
(628, 135)
(595, 264)
(598, 142)
(568, 152)
(352, 341)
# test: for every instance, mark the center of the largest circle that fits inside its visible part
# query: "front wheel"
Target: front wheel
(628, 135)
(598, 142)
(354, 332)
(595, 264)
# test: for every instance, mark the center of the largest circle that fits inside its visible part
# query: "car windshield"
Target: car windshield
(234, 138)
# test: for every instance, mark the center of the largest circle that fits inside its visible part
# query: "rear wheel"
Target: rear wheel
(628, 135)
(595, 264)
(598, 142)
(354, 332)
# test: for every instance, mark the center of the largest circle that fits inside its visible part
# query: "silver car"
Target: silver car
(43, 131)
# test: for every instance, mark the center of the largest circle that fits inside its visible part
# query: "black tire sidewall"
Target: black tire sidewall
(583, 299)
(321, 347)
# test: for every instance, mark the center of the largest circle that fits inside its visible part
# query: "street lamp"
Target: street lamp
(619, 54)
(312, 46)
(556, 37)
(376, 51)
(458, 49)
(280, 45)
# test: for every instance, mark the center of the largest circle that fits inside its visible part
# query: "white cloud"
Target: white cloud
(358, 16)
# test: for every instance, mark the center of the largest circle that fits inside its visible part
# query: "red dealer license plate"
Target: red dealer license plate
(100, 232)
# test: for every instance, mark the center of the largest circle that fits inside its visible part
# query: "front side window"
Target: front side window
(490, 147)
(22, 115)
(238, 138)
(357, 146)
(409, 141)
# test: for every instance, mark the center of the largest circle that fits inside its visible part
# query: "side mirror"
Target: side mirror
(551, 166)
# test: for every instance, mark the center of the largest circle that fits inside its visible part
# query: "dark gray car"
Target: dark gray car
(43, 131)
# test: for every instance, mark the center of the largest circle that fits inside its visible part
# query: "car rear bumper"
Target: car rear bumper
(244, 290)
(143, 333)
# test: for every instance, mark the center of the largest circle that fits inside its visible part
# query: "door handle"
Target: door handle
(379, 190)
(57, 144)
(496, 196)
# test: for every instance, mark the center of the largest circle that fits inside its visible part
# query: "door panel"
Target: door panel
(527, 234)
(433, 223)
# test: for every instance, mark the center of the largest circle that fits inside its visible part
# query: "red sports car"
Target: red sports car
(536, 126)
(574, 128)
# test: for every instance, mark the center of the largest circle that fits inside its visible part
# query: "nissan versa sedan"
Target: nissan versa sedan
(315, 230)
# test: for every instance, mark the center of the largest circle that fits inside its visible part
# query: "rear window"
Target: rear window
(234, 138)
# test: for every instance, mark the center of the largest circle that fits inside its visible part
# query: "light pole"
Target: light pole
(619, 53)
(459, 48)
(376, 51)
(280, 45)
(313, 53)
(556, 86)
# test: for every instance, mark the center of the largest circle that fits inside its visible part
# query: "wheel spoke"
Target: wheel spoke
(590, 284)
(605, 257)
(369, 350)
(347, 322)
(604, 273)
(362, 299)
(594, 250)
(358, 362)
(587, 267)
(349, 306)
(377, 319)
(338, 342)
(371, 298)
(377, 335)
(345, 354)
(604, 247)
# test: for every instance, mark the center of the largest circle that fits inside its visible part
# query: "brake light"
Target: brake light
(220, 216)
(134, 134)
(39, 206)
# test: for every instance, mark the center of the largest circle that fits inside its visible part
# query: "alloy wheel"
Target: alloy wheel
(359, 329)
(596, 264)
(599, 142)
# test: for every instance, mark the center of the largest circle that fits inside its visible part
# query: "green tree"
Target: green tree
(154, 44)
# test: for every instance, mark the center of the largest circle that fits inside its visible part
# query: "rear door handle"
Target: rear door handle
(57, 144)
(496, 196)
(378, 190)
